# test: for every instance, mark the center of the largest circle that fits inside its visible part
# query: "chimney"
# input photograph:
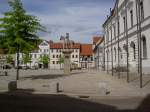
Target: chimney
(67, 36)
(110, 11)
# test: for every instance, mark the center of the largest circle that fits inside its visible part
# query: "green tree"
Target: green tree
(18, 30)
(61, 60)
(44, 60)
(26, 58)
(9, 59)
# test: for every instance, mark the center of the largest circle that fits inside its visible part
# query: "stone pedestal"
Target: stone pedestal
(12, 86)
(67, 68)
(67, 63)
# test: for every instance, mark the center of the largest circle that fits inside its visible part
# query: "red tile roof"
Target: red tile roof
(96, 39)
(86, 50)
(76, 46)
(56, 45)
(60, 46)
(101, 39)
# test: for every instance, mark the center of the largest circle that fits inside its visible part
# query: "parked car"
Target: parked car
(20, 67)
(7, 66)
(34, 67)
(25, 67)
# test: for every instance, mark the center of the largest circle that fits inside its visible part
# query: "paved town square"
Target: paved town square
(90, 85)
(74, 56)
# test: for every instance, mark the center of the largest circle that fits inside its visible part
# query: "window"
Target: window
(114, 31)
(144, 47)
(30, 55)
(107, 36)
(141, 10)
(72, 56)
(133, 49)
(134, 53)
(57, 56)
(115, 53)
(124, 23)
(53, 62)
(53, 56)
(85, 59)
(34, 55)
(110, 33)
(108, 56)
(131, 16)
(76, 50)
(118, 27)
(52, 50)
(76, 56)
(40, 56)
(91, 58)
(120, 52)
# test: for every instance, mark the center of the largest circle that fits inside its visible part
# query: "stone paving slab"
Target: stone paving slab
(85, 82)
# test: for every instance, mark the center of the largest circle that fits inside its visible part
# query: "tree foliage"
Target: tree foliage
(9, 59)
(61, 59)
(26, 58)
(18, 29)
(44, 59)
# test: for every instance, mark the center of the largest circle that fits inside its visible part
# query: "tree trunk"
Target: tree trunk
(17, 72)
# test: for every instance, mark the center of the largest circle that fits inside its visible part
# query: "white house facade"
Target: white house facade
(127, 36)
(98, 53)
(56, 54)
(35, 55)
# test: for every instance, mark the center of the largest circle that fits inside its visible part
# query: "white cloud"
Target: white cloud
(80, 22)
(81, 18)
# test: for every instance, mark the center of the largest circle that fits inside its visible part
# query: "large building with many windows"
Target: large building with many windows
(56, 54)
(35, 56)
(127, 32)
(81, 56)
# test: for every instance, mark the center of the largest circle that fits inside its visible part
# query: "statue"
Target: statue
(67, 50)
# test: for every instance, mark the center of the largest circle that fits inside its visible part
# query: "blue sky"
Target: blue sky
(81, 18)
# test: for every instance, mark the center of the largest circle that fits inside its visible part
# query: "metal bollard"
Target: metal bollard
(57, 87)
(6, 74)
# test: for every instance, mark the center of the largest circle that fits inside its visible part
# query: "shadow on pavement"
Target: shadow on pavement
(50, 76)
(25, 101)
(47, 76)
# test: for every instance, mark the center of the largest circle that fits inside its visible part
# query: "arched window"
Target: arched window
(144, 47)
(120, 52)
(133, 49)
(141, 10)
(115, 53)
(108, 54)
(125, 47)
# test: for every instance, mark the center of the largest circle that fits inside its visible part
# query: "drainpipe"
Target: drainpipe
(118, 42)
(139, 41)
(126, 33)
(111, 50)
